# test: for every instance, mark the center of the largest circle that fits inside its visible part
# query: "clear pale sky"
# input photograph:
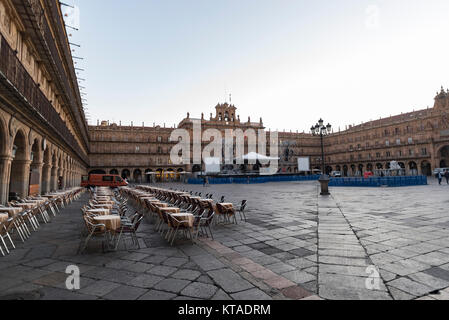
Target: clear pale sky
(288, 61)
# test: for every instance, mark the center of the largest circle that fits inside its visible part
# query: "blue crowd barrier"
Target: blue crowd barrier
(402, 181)
(253, 180)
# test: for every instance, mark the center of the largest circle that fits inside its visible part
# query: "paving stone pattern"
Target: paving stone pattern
(295, 245)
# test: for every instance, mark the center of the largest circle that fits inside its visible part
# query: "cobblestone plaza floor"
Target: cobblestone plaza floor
(295, 244)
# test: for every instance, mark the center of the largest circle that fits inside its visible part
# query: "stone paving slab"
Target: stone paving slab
(295, 245)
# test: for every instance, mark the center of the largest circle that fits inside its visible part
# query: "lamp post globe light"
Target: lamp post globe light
(320, 130)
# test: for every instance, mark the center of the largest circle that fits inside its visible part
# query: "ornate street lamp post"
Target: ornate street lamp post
(321, 130)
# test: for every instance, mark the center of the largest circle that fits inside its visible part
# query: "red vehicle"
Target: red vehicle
(368, 174)
(103, 180)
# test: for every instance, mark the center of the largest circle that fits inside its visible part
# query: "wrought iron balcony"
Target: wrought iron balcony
(21, 85)
(56, 58)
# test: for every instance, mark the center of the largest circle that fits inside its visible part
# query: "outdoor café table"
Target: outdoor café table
(226, 205)
(4, 217)
(112, 223)
(170, 210)
(188, 217)
(154, 202)
(11, 211)
(102, 206)
(26, 205)
(143, 198)
(105, 201)
(147, 198)
(36, 201)
(160, 204)
(102, 212)
(52, 196)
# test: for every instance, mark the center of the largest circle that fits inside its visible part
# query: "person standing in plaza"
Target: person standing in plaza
(446, 175)
(440, 177)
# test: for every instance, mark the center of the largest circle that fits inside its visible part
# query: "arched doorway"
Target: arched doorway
(413, 167)
(361, 170)
(353, 169)
(345, 170)
(159, 175)
(328, 170)
(148, 175)
(20, 167)
(178, 173)
(370, 167)
(170, 174)
(114, 171)
(137, 176)
(196, 168)
(444, 156)
(426, 168)
(126, 174)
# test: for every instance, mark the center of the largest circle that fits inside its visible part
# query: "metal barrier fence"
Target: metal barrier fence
(254, 180)
(403, 181)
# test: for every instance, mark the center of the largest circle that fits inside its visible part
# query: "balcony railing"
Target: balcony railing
(12, 69)
(46, 40)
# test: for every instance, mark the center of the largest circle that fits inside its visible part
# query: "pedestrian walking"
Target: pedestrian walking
(440, 177)
(446, 175)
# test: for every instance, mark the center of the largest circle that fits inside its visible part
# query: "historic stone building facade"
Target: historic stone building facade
(418, 141)
(44, 143)
(137, 153)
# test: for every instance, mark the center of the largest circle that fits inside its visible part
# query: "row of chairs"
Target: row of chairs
(241, 208)
(169, 225)
(128, 224)
(199, 194)
(29, 220)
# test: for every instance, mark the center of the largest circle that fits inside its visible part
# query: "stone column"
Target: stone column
(5, 170)
(46, 179)
(60, 175)
(20, 177)
(37, 167)
(54, 179)
(67, 179)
